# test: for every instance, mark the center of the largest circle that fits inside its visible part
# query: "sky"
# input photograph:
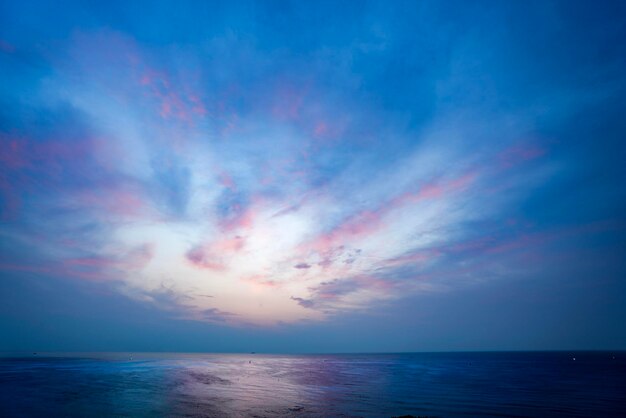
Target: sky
(280, 176)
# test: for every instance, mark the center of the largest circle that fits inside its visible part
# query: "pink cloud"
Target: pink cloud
(435, 190)
(418, 257)
(177, 102)
(198, 257)
(329, 128)
(368, 222)
(518, 154)
(197, 105)
(242, 220)
(359, 225)
(212, 256)
(262, 280)
(120, 201)
(13, 152)
(52, 157)
(320, 128)
(227, 181)
(289, 102)
(135, 259)
(57, 270)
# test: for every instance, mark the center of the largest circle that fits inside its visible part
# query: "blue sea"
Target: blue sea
(511, 384)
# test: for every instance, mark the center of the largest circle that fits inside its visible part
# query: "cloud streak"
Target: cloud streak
(203, 208)
(288, 187)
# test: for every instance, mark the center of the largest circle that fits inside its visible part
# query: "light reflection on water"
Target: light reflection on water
(225, 385)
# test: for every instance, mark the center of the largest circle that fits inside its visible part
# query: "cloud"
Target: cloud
(178, 175)
(305, 303)
(215, 315)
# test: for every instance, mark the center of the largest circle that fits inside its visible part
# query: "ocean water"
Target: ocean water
(535, 384)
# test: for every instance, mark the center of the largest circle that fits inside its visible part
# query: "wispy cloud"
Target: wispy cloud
(234, 182)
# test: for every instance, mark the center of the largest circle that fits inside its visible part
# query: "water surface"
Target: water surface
(552, 384)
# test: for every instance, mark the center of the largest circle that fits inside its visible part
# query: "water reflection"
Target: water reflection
(458, 384)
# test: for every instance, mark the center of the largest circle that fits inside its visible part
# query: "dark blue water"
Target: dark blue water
(222, 385)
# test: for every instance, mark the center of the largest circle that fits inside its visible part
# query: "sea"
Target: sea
(473, 384)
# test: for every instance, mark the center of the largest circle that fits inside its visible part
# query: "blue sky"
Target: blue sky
(305, 177)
